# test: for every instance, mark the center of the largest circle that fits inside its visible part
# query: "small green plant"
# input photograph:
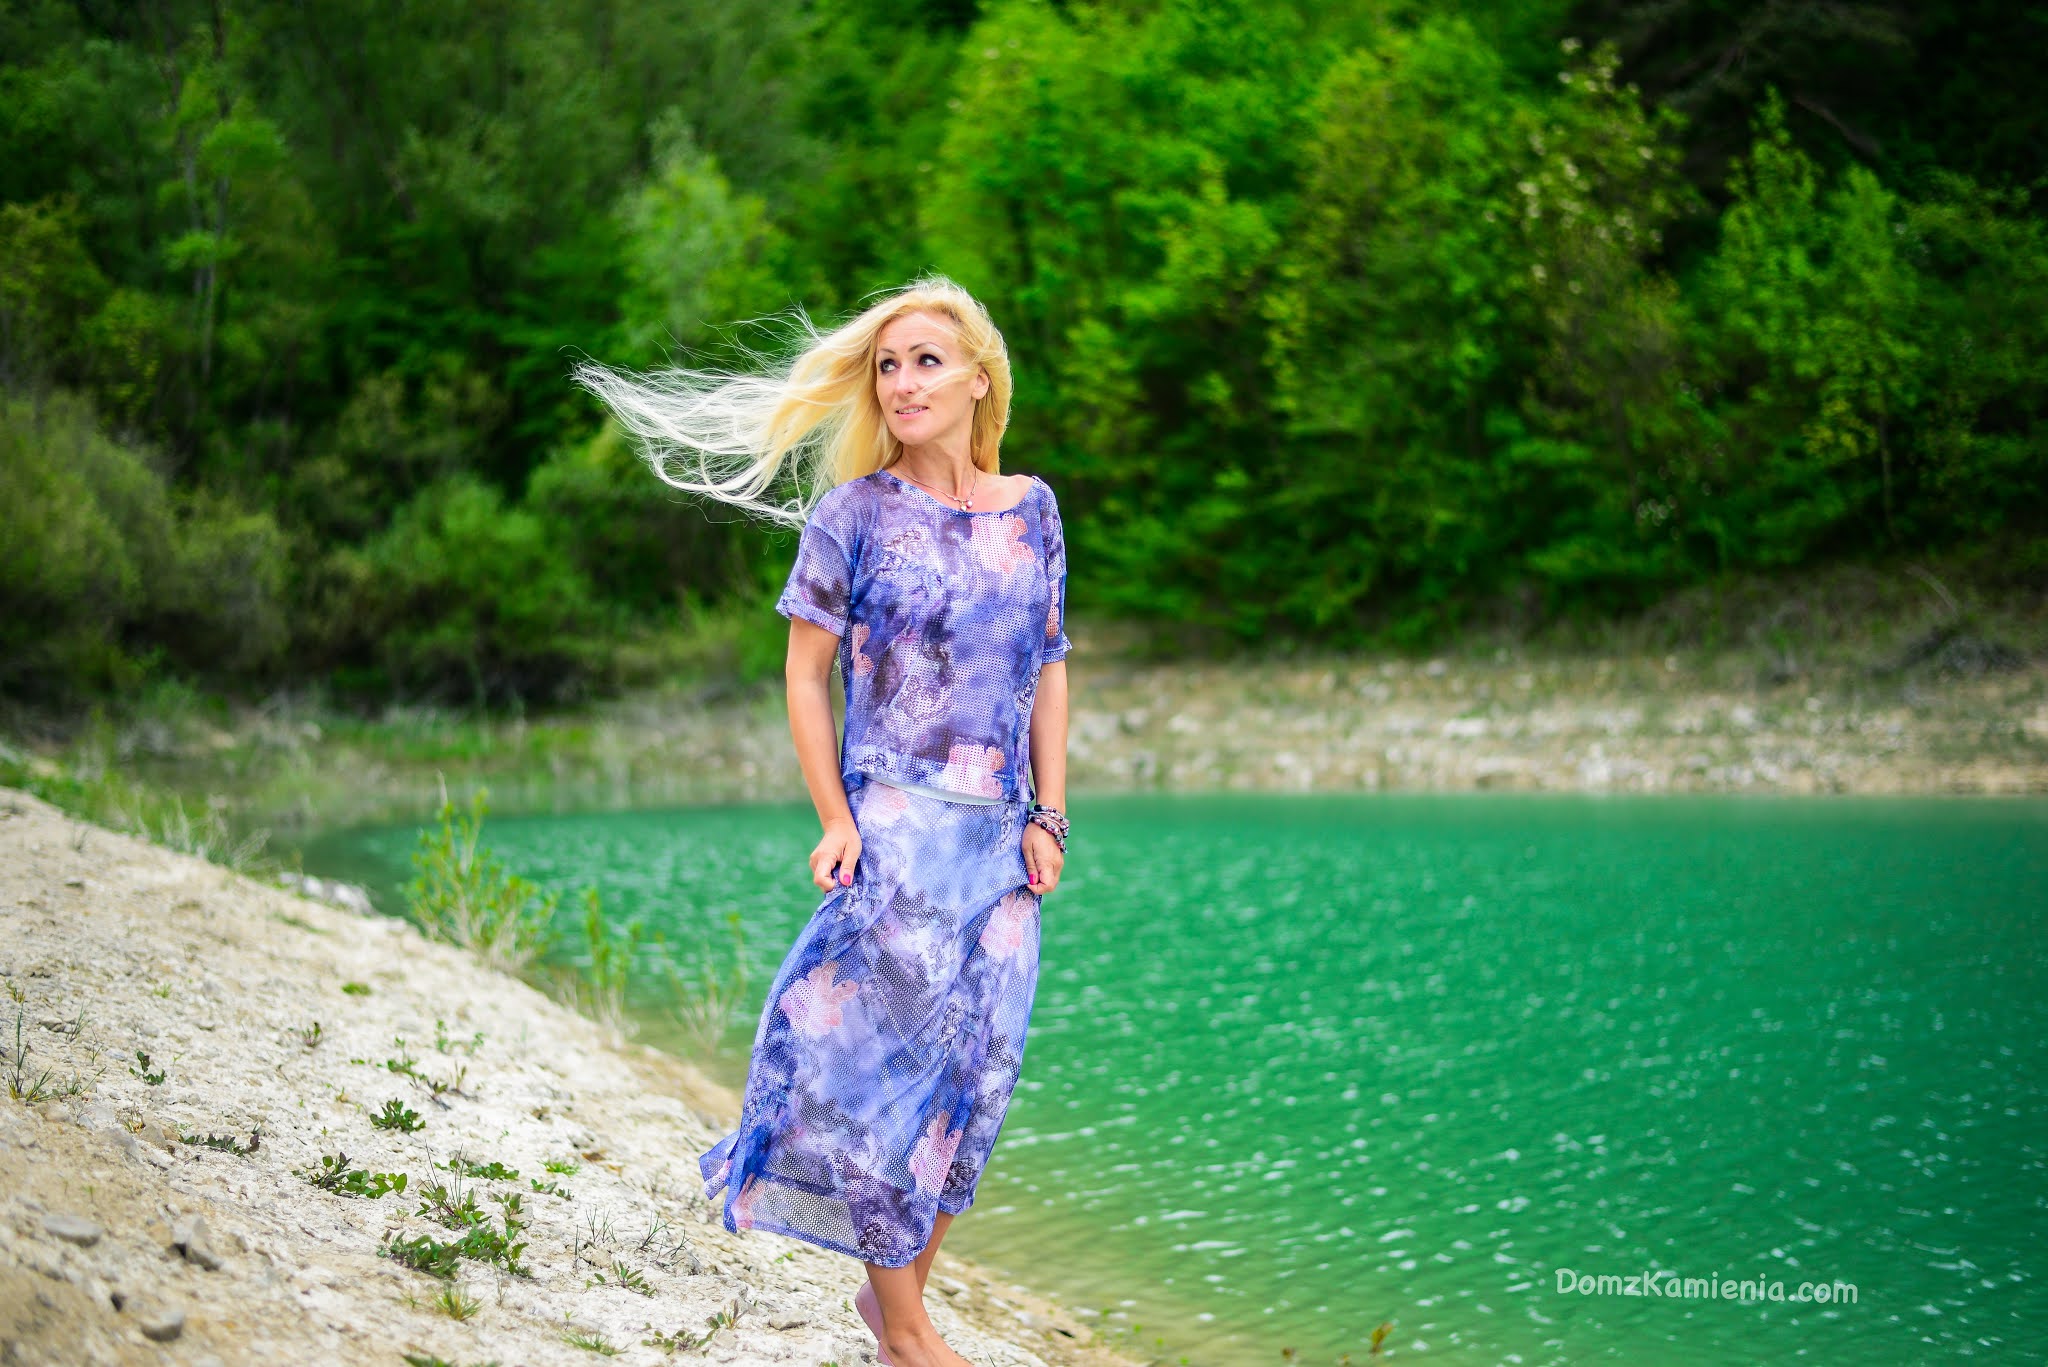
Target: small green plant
(454, 1208)
(682, 1338)
(669, 1344)
(457, 1209)
(493, 1171)
(436, 1086)
(312, 1035)
(704, 1001)
(599, 990)
(424, 1254)
(153, 1077)
(226, 1143)
(396, 1115)
(455, 1305)
(444, 1044)
(480, 1243)
(405, 1065)
(499, 1247)
(356, 989)
(334, 1174)
(567, 1167)
(24, 1083)
(550, 1188)
(461, 895)
(624, 1276)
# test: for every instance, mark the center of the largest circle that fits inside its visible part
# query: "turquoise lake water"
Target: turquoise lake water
(1302, 1065)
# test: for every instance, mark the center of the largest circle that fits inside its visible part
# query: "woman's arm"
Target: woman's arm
(807, 673)
(1043, 858)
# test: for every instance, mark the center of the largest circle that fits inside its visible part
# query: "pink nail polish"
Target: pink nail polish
(846, 879)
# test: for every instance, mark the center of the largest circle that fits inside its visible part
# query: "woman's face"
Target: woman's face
(926, 389)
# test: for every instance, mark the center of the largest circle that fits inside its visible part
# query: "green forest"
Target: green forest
(1343, 323)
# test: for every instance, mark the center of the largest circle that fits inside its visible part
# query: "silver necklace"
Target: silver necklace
(966, 504)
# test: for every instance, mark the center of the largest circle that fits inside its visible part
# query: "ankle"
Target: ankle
(912, 1337)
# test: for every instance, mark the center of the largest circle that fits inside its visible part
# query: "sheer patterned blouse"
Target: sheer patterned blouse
(944, 617)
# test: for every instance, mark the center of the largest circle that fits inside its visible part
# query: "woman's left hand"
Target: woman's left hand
(1043, 858)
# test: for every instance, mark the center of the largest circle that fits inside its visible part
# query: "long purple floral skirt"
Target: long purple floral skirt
(893, 1035)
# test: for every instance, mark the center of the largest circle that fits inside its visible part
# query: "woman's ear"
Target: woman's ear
(981, 383)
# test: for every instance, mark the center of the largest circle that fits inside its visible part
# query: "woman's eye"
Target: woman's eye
(885, 366)
(933, 359)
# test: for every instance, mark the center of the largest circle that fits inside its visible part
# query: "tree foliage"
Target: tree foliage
(1337, 322)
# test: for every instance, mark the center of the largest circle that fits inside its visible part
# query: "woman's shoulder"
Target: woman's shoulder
(1043, 491)
(844, 510)
(1036, 485)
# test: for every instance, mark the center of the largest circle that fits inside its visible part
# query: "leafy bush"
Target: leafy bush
(88, 527)
(101, 564)
(464, 596)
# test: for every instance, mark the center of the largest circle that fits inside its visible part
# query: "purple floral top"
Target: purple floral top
(943, 618)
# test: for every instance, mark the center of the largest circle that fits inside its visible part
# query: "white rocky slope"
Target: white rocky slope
(121, 1243)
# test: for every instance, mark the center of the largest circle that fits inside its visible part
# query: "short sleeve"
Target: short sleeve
(1056, 642)
(820, 587)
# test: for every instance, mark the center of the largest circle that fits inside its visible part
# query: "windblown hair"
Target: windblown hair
(773, 443)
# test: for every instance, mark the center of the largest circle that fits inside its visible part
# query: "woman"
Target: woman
(893, 1035)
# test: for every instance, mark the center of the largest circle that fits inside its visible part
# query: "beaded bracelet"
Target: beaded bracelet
(1051, 820)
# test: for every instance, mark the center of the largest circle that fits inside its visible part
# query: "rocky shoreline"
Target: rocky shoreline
(215, 1083)
(1618, 722)
(1629, 724)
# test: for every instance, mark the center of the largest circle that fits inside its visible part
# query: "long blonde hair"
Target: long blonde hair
(773, 443)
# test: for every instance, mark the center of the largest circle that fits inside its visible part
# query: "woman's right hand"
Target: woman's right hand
(840, 845)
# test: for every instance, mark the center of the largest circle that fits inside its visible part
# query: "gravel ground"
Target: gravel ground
(123, 1240)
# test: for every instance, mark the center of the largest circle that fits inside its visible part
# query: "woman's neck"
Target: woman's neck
(940, 467)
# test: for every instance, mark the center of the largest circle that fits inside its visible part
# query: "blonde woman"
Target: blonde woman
(893, 1034)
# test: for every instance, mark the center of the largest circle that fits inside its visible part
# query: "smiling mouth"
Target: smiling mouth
(909, 412)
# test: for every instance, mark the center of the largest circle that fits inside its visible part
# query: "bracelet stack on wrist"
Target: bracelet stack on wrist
(1052, 820)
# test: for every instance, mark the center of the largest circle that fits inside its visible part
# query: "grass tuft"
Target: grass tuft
(457, 1306)
(590, 1341)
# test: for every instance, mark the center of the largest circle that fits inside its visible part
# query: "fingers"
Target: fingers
(1043, 860)
(833, 862)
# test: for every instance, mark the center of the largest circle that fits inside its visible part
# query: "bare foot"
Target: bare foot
(922, 1348)
(871, 1311)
